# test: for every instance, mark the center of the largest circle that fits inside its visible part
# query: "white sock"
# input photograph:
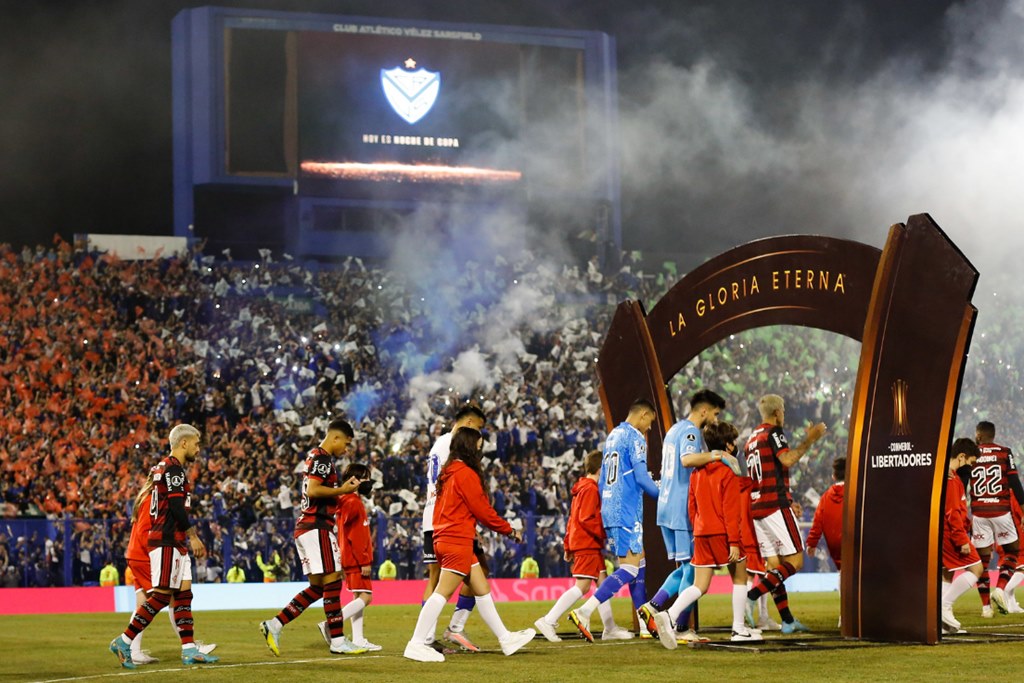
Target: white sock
(275, 625)
(426, 624)
(459, 619)
(352, 608)
(686, 598)
(762, 606)
(607, 617)
(563, 604)
(354, 611)
(961, 584)
(137, 645)
(739, 603)
(587, 608)
(1012, 584)
(357, 628)
(489, 613)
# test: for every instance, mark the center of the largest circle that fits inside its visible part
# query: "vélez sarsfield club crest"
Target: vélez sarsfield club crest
(410, 93)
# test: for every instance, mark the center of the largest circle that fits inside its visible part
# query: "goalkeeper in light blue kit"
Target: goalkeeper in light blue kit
(624, 476)
(682, 450)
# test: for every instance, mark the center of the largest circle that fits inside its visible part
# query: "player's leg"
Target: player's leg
(949, 622)
(185, 624)
(354, 610)
(984, 587)
(664, 621)
(708, 553)
(417, 648)
(1011, 586)
(204, 648)
(782, 548)
(430, 560)
(143, 584)
(138, 656)
(340, 645)
(1007, 532)
(464, 606)
(740, 632)
(966, 580)
(628, 545)
(165, 570)
(510, 641)
(638, 586)
(547, 623)
(309, 549)
(983, 537)
(678, 545)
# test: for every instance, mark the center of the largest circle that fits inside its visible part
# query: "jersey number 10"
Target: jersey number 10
(611, 468)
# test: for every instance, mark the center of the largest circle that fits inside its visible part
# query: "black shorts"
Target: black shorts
(428, 548)
(481, 557)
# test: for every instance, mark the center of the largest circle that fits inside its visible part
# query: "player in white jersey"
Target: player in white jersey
(624, 477)
(682, 450)
(467, 416)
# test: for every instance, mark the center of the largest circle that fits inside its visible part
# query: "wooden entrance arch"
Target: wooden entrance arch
(909, 306)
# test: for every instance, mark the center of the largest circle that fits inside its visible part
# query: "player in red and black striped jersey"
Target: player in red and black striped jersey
(769, 459)
(993, 480)
(170, 536)
(318, 512)
(169, 505)
(317, 542)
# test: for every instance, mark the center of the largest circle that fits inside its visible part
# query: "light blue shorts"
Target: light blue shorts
(623, 540)
(678, 544)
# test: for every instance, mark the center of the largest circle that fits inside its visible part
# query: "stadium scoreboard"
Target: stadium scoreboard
(308, 131)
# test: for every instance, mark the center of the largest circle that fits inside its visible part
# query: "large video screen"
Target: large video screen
(443, 104)
(369, 112)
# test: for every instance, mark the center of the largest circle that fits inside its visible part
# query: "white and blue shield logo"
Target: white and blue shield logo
(410, 93)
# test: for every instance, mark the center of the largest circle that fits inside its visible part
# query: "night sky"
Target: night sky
(739, 119)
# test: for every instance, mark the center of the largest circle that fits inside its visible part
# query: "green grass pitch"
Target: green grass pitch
(74, 647)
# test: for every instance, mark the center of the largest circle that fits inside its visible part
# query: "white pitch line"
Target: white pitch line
(149, 670)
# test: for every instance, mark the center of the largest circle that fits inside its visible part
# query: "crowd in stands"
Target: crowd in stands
(99, 357)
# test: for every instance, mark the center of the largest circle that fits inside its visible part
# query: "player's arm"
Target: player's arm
(638, 460)
(472, 493)
(701, 459)
(791, 456)
(315, 488)
(731, 500)
(643, 478)
(814, 535)
(1014, 479)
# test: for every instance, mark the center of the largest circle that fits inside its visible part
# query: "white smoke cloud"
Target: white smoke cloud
(843, 159)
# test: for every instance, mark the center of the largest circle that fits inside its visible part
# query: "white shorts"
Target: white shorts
(318, 552)
(169, 567)
(988, 530)
(778, 534)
